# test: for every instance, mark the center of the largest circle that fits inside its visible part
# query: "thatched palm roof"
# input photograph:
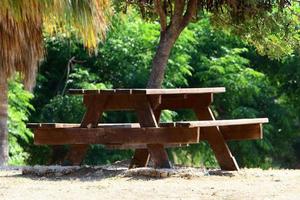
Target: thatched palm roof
(22, 23)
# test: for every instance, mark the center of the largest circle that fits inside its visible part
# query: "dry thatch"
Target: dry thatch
(22, 23)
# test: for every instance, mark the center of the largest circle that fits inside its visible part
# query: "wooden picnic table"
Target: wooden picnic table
(149, 135)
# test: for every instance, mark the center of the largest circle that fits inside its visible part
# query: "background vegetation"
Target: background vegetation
(256, 85)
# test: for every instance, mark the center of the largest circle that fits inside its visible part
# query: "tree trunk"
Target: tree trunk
(160, 60)
(3, 119)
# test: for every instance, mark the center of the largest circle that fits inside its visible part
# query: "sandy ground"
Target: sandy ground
(119, 183)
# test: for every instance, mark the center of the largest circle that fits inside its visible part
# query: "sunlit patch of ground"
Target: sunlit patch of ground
(116, 182)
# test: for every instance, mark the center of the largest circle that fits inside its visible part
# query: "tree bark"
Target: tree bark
(3, 119)
(160, 60)
(168, 36)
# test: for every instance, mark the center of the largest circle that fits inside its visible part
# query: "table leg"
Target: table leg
(95, 108)
(147, 118)
(217, 142)
(58, 155)
(157, 114)
(141, 157)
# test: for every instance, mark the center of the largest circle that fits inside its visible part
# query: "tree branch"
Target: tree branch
(190, 12)
(171, 8)
(162, 15)
(178, 11)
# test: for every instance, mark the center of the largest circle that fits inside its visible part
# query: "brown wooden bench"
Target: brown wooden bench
(131, 135)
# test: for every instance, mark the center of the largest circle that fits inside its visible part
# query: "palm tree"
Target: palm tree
(22, 23)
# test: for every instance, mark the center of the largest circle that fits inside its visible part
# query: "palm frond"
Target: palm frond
(22, 24)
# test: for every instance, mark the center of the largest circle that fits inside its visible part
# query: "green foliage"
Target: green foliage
(202, 57)
(126, 56)
(249, 93)
(274, 33)
(179, 62)
(197, 155)
(19, 109)
(82, 78)
(97, 154)
(271, 26)
(63, 109)
(132, 43)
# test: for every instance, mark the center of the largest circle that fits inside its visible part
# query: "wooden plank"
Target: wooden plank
(155, 101)
(51, 125)
(238, 129)
(157, 115)
(217, 142)
(140, 146)
(179, 91)
(101, 125)
(67, 125)
(185, 101)
(230, 132)
(147, 118)
(236, 132)
(117, 102)
(169, 124)
(81, 136)
(99, 91)
(211, 123)
(119, 125)
(93, 112)
(158, 102)
(148, 91)
(131, 137)
(91, 118)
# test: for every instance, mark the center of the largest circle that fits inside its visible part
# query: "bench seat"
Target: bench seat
(69, 125)
(214, 123)
(131, 135)
(202, 123)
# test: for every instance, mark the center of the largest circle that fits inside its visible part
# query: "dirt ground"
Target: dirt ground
(118, 183)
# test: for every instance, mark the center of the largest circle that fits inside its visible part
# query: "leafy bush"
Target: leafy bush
(20, 138)
(202, 57)
(249, 94)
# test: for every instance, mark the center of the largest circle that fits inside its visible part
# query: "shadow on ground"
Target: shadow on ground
(118, 169)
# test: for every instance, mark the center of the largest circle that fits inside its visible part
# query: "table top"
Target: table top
(148, 91)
